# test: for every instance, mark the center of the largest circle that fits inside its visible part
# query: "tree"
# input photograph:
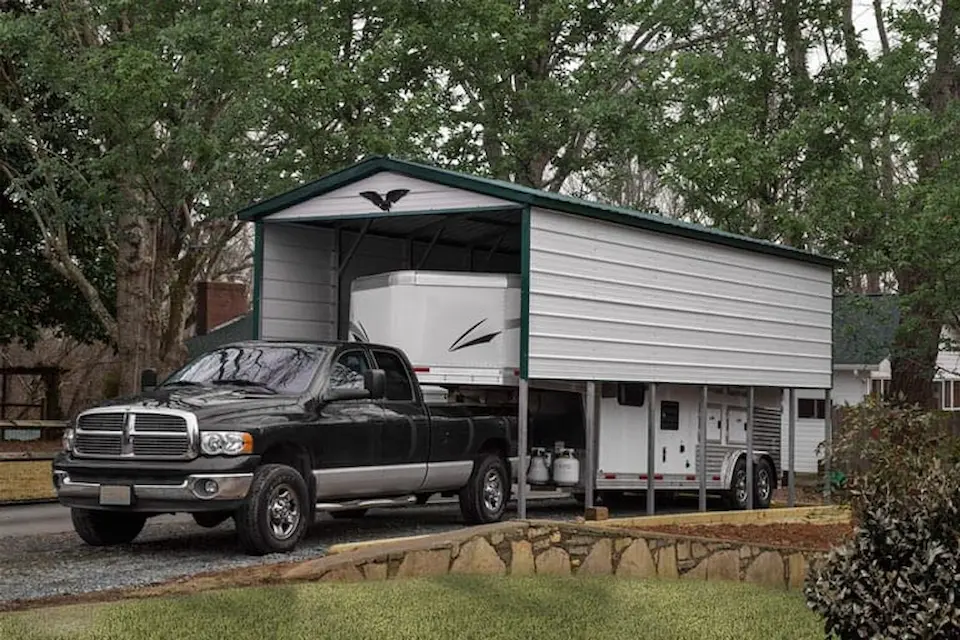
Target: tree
(179, 114)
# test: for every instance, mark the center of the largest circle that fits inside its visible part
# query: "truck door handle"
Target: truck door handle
(664, 454)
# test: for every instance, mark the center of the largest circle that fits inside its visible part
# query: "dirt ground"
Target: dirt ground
(798, 535)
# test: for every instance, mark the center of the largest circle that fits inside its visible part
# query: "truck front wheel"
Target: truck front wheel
(106, 528)
(484, 498)
(274, 516)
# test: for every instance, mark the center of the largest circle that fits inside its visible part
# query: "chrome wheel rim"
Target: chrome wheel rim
(283, 512)
(740, 486)
(763, 485)
(492, 491)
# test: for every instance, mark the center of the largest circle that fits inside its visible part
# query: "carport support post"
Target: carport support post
(702, 448)
(749, 479)
(827, 443)
(522, 420)
(651, 447)
(791, 448)
(589, 472)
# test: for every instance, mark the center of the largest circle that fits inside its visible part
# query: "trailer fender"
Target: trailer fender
(730, 462)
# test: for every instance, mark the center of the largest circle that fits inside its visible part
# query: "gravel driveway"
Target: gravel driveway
(49, 564)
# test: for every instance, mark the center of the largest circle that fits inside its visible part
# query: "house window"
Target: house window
(631, 394)
(950, 394)
(879, 387)
(811, 409)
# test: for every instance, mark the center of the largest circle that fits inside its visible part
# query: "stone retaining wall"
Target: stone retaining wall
(545, 547)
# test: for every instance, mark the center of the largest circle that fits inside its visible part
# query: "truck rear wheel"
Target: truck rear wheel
(106, 528)
(274, 517)
(484, 498)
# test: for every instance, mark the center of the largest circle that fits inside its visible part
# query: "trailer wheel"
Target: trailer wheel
(484, 498)
(763, 484)
(737, 495)
(106, 528)
(274, 516)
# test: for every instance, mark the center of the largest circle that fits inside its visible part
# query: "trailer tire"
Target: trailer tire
(763, 482)
(106, 528)
(484, 498)
(274, 516)
(736, 497)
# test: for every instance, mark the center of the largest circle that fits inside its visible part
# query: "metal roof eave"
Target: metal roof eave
(526, 196)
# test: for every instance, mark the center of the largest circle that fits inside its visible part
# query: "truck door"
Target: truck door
(404, 442)
(346, 441)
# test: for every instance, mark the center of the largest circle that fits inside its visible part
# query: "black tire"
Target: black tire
(281, 488)
(763, 484)
(347, 514)
(106, 528)
(210, 519)
(484, 498)
(736, 497)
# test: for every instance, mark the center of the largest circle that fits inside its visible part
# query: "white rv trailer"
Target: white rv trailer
(607, 295)
(461, 332)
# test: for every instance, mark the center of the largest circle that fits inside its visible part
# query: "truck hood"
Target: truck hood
(216, 406)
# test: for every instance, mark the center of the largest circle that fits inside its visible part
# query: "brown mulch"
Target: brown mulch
(796, 535)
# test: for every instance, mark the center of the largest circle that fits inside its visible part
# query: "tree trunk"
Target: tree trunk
(135, 328)
(913, 359)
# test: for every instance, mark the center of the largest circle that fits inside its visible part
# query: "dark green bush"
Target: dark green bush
(899, 576)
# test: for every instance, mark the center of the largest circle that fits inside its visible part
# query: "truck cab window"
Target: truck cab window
(398, 385)
(347, 371)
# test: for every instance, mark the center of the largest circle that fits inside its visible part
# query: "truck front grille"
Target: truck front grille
(153, 435)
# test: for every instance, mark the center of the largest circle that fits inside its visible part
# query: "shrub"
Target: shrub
(898, 577)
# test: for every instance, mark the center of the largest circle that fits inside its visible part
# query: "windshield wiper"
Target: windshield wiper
(239, 382)
(182, 383)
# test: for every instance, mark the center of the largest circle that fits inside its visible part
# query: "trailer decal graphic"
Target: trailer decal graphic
(358, 333)
(385, 203)
(456, 346)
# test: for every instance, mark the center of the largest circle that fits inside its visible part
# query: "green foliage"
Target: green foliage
(898, 577)
(490, 607)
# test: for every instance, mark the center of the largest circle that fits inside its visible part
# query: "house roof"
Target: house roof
(863, 328)
(523, 196)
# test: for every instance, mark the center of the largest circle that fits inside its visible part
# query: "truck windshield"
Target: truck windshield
(285, 370)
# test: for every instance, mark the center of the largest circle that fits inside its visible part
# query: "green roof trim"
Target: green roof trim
(863, 328)
(526, 196)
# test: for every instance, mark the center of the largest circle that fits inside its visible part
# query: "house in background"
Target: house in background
(223, 316)
(863, 331)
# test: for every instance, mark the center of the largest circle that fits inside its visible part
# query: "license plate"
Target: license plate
(115, 495)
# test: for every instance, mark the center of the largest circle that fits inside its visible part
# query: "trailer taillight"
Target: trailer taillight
(691, 477)
(421, 369)
(609, 476)
(716, 477)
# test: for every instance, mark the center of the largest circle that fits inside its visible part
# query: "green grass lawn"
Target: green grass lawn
(448, 608)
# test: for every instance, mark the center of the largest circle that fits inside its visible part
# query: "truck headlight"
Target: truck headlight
(66, 440)
(225, 443)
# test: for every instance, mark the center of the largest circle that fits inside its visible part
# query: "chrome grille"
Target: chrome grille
(153, 422)
(101, 421)
(160, 446)
(136, 433)
(96, 444)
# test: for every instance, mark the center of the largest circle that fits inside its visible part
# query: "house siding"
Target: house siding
(298, 288)
(423, 197)
(615, 303)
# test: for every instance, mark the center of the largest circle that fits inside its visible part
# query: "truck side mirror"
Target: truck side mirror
(148, 380)
(375, 381)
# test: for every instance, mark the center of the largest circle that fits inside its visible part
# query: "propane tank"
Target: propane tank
(566, 468)
(539, 472)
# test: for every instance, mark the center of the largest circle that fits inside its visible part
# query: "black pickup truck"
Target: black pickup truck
(269, 433)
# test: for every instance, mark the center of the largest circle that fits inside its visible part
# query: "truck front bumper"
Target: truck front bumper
(208, 489)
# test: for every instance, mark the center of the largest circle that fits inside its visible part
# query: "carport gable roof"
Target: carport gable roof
(523, 196)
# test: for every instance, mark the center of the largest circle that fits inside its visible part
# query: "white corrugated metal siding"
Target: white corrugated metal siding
(298, 294)
(422, 197)
(610, 302)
